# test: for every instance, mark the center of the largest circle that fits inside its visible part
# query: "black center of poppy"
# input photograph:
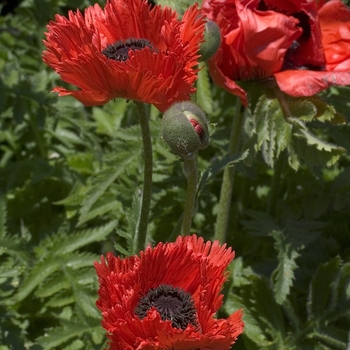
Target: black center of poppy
(173, 304)
(119, 51)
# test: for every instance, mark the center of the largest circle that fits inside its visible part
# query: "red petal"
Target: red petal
(160, 76)
(335, 25)
(189, 263)
(309, 83)
(225, 82)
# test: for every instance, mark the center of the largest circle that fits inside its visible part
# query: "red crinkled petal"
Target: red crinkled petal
(309, 83)
(160, 76)
(191, 264)
(335, 25)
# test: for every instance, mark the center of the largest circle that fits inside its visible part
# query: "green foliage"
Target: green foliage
(70, 190)
(279, 123)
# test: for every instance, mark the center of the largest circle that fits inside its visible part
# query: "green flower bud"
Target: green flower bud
(185, 129)
(212, 40)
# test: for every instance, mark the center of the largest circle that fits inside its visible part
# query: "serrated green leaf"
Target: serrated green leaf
(252, 328)
(333, 338)
(286, 266)
(268, 130)
(103, 209)
(38, 274)
(57, 336)
(53, 286)
(88, 304)
(61, 299)
(80, 239)
(302, 109)
(204, 96)
(326, 112)
(75, 345)
(310, 148)
(81, 162)
(73, 199)
(264, 322)
(131, 133)
(218, 165)
(319, 289)
(261, 225)
(121, 249)
(102, 182)
(78, 260)
(301, 130)
(108, 119)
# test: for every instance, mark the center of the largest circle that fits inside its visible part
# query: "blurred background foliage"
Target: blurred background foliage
(70, 180)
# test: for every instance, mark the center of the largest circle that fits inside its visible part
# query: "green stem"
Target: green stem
(191, 171)
(228, 177)
(141, 234)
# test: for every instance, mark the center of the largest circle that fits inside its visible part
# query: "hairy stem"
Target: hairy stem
(228, 177)
(141, 234)
(191, 171)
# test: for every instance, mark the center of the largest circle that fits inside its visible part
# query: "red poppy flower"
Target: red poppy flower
(294, 41)
(127, 50)
(334, 24)
(166, 297)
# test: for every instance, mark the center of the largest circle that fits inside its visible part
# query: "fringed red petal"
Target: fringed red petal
(191, 264)
(160, 76)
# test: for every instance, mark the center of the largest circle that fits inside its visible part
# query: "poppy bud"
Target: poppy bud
(212, 39)
(185, 129)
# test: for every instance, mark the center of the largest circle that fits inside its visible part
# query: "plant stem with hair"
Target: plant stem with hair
(191, 171)
(141, 233)
(228, 177)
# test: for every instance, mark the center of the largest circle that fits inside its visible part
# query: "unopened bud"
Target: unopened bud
(212, 40)
(185, 129)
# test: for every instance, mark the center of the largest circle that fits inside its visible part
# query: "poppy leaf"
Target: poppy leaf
(102, 181)
(38, 273)
(320, 288)
(284, 274)
(52, 286)
(331, 337)
(79, 239)
(68, 331)
(252, 330)
(311, 149)
(81, 162)
(302, 109)
(268, 130)
(218, 165)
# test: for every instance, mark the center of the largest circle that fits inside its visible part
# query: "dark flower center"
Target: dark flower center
(119, 51)
(173, 304)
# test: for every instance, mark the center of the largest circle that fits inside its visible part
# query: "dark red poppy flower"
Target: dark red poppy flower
(127, 50)
(166, 297)
(297, 42)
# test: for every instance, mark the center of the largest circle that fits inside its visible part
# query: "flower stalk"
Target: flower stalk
(141, 234)
(191, 171)
(228, 177)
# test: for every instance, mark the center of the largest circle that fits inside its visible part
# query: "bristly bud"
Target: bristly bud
(185, 129)
(212, 40)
